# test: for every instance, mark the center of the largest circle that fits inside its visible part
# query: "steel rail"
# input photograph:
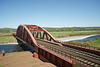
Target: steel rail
(81, 57)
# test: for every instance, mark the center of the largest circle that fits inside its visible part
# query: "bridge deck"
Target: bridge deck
(82, 57)
(47, 49)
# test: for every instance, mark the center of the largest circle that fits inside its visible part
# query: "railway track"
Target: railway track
(82, 57)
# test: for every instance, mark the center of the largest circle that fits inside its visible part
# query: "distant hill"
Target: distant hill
(73, 29)
(7, 30)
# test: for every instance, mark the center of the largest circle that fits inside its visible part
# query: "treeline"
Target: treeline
(7, 30)
(73, 29)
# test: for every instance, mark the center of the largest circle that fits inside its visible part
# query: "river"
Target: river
(11, 48)
(91, 38)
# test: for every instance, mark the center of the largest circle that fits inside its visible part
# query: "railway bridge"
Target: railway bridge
(58, 53)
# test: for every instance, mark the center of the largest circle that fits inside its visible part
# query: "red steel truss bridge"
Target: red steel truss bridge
(58, 53)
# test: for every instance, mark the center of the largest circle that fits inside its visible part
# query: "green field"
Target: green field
(73, 33)
(60, 34)
(95, 43)
(7, 39)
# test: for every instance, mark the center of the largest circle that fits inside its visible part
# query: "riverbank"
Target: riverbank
(71, 38)
(22, 59)
(7, 39)
(10, 43)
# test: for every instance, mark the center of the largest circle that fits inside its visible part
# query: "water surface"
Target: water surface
(9, 48)
(91, 38)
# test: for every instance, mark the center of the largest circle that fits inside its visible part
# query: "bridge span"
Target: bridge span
(60, 54)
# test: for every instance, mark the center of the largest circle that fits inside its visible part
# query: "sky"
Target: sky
(50, 13)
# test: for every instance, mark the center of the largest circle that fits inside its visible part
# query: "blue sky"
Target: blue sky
(50, 13)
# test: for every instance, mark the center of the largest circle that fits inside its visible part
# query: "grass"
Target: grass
(38, 65)
(11, 57)
(95, 43)
(71, 33)
(7, 39)
(11, 62)
(26, 62)
(14, 60)
(4, 33)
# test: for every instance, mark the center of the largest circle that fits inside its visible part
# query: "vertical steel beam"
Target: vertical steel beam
(23, 33)
(43, 35)
(20, 32)
(50, 39)
(37, 35)
(46, 36)
(33, 34)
